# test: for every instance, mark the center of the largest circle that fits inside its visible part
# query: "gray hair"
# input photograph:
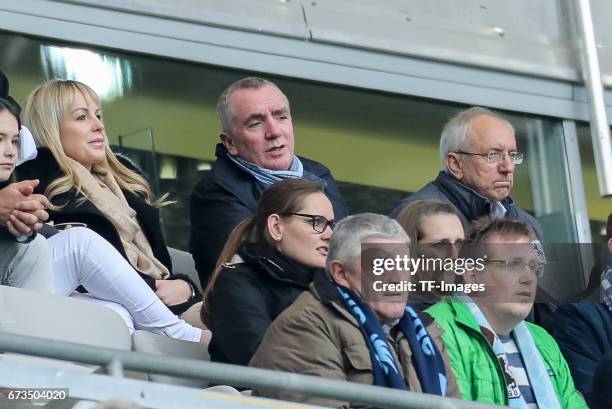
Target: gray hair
(456, 132)
(224, 110)
(350, 232)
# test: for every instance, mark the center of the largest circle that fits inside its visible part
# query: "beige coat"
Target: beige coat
(317, 336)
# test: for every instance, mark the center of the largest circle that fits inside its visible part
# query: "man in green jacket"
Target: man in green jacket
(496, 356)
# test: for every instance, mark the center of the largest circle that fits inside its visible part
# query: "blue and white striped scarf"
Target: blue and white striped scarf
(427, 359)
(266, 177)
(539, 377)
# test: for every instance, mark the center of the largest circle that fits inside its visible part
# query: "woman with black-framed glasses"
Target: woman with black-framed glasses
(267, 262)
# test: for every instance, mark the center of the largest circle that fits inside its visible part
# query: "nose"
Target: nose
(98, 125)
(506, 165)
(10, 151)
(272, 129)
(454, 251)
(527, 277)
(327, 233)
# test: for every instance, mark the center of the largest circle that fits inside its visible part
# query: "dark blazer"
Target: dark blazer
(248, 296)
(584, 334)
(602, 385)
(227, 196)
(46, 169)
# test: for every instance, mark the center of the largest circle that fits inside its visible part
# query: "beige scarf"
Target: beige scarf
(102, 190)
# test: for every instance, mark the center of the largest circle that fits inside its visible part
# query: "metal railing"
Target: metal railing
(600, 130)
(116, 361)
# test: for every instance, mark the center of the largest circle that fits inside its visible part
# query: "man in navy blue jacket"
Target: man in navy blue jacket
(478, 153)
(256, 150)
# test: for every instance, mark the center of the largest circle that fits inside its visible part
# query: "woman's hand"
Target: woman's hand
(173, 292)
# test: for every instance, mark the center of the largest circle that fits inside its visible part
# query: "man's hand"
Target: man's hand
(173, 292)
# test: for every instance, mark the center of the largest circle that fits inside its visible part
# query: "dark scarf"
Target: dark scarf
(426, 358)
(470, 203)
(276, 264)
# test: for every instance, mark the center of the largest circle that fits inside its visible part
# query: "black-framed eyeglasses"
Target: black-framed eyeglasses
(517, 266)
(498, 156)
(319, 223)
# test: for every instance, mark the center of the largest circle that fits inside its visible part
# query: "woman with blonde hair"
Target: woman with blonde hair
(73, 257)
(86, 183)
(268, 260)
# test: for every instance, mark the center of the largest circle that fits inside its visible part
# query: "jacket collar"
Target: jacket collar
(463, 317)
(228, 175)
(276, 264)
(470, 203)
(324, 289)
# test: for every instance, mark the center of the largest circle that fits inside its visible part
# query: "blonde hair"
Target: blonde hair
(44, 111)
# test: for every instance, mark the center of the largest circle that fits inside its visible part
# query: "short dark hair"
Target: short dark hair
(9, 105)
(485, 227)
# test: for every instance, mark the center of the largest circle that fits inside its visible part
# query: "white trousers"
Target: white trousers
(82, 257)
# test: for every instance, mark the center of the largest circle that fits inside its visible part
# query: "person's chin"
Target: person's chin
(389, 311)
(279, 163)
(519, 310)
(501, 193)
(98, 157)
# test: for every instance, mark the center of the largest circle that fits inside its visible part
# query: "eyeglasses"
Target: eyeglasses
(517, 266)
(319, 223)
(498, 156)
(442, 246)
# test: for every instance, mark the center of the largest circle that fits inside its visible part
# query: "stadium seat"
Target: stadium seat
(156, 344)
(55, 317)
(182, 262)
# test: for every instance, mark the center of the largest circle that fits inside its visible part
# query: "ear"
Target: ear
(339, 272)
(227, 141)
(275, 228)
(610, 245)
(454, 164)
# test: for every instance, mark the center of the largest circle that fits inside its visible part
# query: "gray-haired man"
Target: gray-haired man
(256, 150)
(478, 153)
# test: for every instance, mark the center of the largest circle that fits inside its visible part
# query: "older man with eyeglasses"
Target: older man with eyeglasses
(478, 153)
(495, 354)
